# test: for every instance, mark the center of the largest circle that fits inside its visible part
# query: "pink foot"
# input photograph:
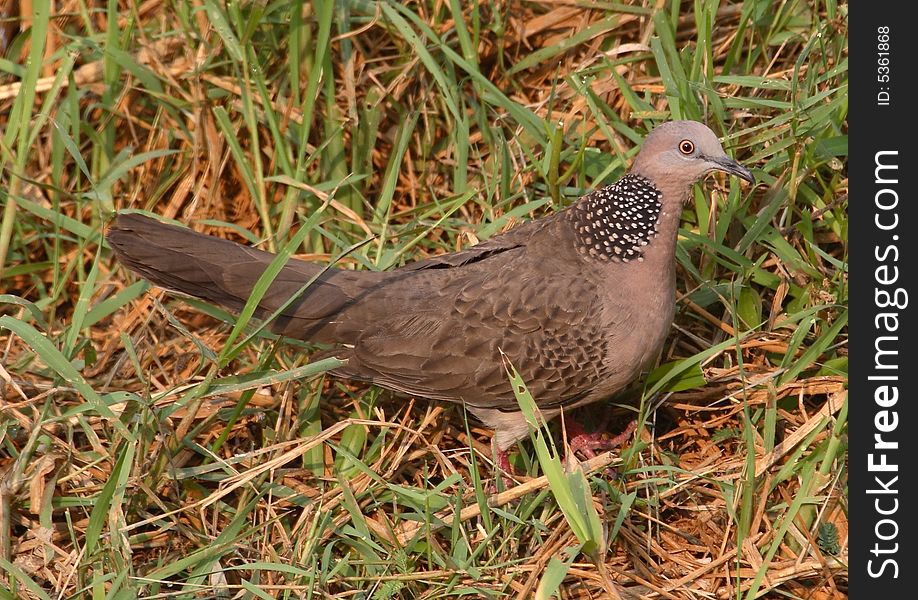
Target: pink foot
(587, 443)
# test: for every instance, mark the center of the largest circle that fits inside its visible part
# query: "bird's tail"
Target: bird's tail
(219, 271)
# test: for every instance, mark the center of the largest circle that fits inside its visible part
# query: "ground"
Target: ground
(151, 449)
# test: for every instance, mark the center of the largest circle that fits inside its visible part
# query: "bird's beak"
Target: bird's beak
(728, 165)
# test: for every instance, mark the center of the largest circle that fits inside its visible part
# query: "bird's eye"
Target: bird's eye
(686, 147)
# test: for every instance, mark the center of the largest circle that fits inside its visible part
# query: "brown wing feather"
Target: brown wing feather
(449, 346)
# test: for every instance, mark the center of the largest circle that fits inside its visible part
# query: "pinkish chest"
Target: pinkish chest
(640, 311)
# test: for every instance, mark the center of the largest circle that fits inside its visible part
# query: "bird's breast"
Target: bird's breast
(639, 312)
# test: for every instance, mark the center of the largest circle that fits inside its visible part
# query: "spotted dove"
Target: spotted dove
(580, 302)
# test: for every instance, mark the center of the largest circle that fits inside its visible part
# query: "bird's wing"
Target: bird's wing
(452, 346)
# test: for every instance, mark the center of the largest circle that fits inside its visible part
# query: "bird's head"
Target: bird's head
(676, 154)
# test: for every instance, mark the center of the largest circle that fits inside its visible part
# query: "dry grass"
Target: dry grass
(139, 459)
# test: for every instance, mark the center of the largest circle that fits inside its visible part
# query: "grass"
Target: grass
(156, 447)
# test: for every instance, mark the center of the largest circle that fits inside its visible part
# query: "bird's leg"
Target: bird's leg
(502, 462)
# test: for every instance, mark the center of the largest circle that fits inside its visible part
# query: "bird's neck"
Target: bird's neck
(661, 252)
(631, 220)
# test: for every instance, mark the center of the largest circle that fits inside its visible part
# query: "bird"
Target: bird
(579, 302)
